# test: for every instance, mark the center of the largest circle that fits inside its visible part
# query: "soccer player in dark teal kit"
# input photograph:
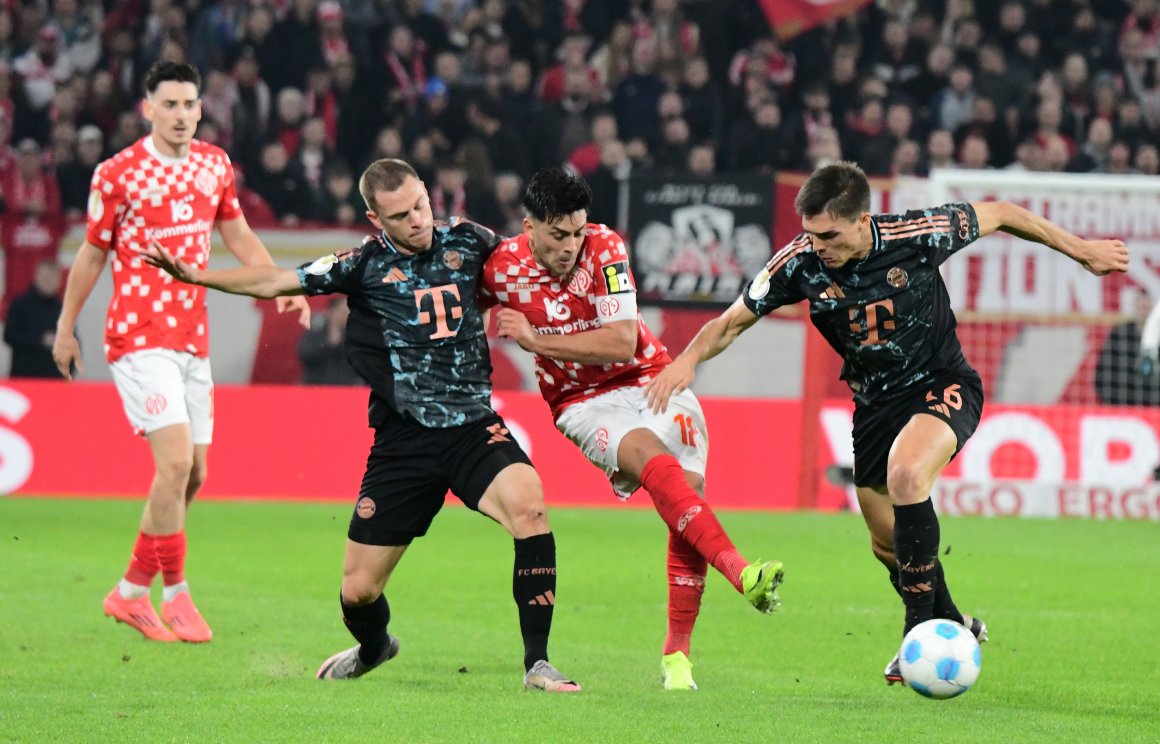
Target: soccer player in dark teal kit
(416, 335)
(876, 295)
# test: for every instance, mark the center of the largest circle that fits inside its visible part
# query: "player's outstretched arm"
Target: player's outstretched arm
(247, 247)
(713, 338)
(611, 343)
(263, 282)
(1100, 257)
(85, 271)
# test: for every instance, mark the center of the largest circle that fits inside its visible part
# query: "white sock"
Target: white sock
(129, 590)
(170, 592)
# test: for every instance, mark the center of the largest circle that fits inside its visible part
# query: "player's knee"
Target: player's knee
(359, 588)
(176, 471)
(906, 482)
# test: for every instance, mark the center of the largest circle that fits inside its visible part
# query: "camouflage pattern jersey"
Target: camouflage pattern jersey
(889, 314)
(415, 332)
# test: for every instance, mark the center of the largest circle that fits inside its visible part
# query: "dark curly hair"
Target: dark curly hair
(555, 193)
(179, 72)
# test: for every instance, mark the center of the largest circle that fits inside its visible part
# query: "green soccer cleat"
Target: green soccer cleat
(677, 671)
(759, 582)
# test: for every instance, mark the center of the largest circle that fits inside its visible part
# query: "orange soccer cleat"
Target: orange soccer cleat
(138, 614)
(184, 620)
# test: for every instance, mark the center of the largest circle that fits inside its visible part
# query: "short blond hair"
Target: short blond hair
(386, 174)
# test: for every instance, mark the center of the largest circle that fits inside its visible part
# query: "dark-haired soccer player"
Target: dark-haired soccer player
(568, 297)
(170, 188)
(416, 335)
(876, 295)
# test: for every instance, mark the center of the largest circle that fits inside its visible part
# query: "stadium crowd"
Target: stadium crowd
(478, 94)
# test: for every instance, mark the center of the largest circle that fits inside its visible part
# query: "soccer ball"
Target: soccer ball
(940, 659)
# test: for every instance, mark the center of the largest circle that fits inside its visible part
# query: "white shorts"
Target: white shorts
(598, 425)
(162, 387)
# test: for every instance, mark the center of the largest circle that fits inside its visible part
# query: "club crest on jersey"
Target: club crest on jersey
(365, 507)
(453, 260)
(616, 277)
(205, 182)
(580, 282)
(96, 206)
(896, 277)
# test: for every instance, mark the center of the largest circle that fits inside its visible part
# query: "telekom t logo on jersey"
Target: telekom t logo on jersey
(444, 301)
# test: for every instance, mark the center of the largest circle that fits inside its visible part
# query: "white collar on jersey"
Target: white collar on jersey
(151, 148)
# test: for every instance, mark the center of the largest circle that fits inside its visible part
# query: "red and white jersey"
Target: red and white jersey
(599, 290)
(140, 195)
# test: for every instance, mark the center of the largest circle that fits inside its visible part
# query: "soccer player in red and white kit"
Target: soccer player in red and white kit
(567, 296)
(169, 188)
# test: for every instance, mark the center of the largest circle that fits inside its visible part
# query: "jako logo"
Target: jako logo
(15, 452)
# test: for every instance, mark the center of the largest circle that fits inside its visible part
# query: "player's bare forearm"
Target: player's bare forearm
(263, 282)
(717, 335)
(87, 268)
(1097, 256)
(244, 243)
(609, 345)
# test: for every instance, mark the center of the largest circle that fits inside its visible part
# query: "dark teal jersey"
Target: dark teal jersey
(889, 314)
(415, 332)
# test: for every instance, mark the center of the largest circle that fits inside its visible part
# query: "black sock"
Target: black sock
(916, 538)
(944, 606)
(534, 589)
(894, 578)
(368, 625)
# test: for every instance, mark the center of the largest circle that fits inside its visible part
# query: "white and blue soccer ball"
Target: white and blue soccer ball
(940, 659)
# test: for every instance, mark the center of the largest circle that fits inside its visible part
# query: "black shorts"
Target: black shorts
(412, 467)
(955, 396)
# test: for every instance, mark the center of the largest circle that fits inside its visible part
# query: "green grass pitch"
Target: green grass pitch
(1073, 610)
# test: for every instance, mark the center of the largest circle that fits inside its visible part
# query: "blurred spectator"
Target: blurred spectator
(842, 87)
(314, 155)
(338, 202)
(1148, 160)
(509, 191)
(671, 151)
(30, 325)
(503, 148)
(940, 150)
(824, 150)
(898, 59)
(405, 70)
(43, 67)
(974, 154)
(1028, 157)
(877, 156)
(1119, 160)
(130, 128)
(219, 101)
(907, 159)
(952, 106)
(428, 29)
(1125, 377)
(357, 121)
(332, 39)
(121, 60)
(1056, 153)
(866, 130)
(435, 119)
(523, 107)
(934, 76)
(760, 142)
(565, 125)
(289, 114)
(573, 55)
(1094, 152)
(78, 31)
(704, 104)
(281, 185)
(453, 195)
(613, 60)
(250, 116)
(295, 42)
(636, 96)
(9, 43)
(764, 62)
(216, 28)
(75, 176)
(30, 188)
(1130, 124)
(586, 158)
(985, 123)
(702, 160)
(320, 349)
(994, 81)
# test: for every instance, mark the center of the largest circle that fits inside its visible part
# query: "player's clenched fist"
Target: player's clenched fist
(674, 379)
(515, 325)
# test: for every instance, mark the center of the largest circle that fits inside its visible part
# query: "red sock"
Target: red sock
(686, 585)
(687, 514)
(171, 552)
(143, 565)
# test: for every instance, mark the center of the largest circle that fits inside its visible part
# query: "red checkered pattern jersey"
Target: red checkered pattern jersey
(597, 285)
(139, 195)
